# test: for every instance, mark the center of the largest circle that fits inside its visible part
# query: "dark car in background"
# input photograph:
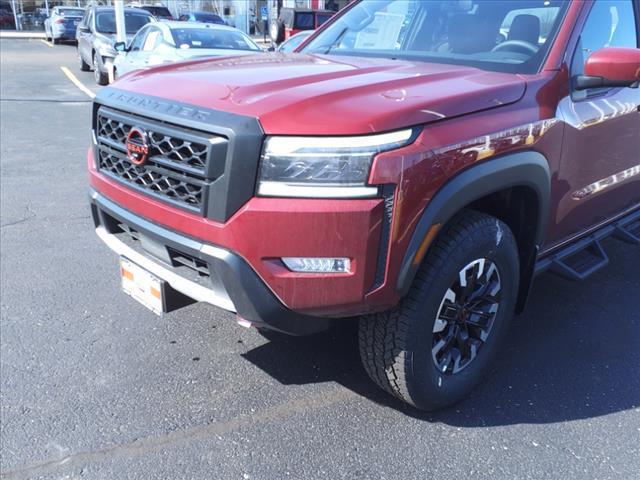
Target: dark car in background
(296, 20)
(7, 22)
(202, 17)
(158, 11)
(96, 35)
(62, 23)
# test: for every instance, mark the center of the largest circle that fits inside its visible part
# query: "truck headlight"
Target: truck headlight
(323, 167)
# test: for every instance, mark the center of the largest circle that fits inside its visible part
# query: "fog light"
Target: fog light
(317, 265)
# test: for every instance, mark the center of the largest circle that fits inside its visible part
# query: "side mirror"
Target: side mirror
(120, 47)
(610, 67)
(83, 28)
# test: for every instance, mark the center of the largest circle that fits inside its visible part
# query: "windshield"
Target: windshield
(501, 35)
(106, 22)
(211, 38)
(71, 12)
(295, 41)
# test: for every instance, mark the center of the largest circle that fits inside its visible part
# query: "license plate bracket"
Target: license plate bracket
(142, 286)
(152, 292)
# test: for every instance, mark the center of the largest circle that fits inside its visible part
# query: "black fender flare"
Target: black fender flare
(521, 169)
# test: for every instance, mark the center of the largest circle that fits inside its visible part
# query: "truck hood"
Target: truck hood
(299, 94)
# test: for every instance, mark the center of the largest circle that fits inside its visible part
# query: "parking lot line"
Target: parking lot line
(77, 82)
(47, 43)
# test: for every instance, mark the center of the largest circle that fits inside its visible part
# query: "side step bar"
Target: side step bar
(586, 256)
(629, 232)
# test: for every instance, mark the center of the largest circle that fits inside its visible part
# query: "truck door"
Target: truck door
(600, 165)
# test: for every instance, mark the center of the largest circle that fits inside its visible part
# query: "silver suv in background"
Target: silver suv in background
(96, 35)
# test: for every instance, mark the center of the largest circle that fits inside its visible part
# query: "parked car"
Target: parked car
(96, 34)
(7, 22)
(294, 42)
(417, 185)
(294, 20)
(202, 17)
(167, 42)
(158, 11)
(62, 23)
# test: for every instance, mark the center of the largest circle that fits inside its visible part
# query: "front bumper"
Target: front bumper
(266, 229)
(231, 284)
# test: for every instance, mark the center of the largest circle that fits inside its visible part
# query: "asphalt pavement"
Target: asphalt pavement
(94, 386)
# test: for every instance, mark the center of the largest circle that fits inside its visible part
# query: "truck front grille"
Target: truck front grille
(178, 168)
(173, 184)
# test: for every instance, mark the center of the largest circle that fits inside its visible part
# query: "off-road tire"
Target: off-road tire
(396, 346)
(276, 31)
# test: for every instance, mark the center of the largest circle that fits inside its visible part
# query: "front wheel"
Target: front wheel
(101, 78)
(437, 344)
(84, 66)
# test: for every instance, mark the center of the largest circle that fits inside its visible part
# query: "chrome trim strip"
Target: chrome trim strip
(181, 284)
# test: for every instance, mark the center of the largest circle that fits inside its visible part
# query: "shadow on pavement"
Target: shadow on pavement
(574, 354)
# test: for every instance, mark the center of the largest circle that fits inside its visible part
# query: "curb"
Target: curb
(13, 34)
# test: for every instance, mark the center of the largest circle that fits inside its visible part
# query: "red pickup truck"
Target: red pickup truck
(414, 165)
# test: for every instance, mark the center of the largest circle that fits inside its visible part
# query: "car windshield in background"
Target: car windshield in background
(500, 35)
(209, 18)
(211, 38)
(71, 12)
(106, 22)
(295, 41)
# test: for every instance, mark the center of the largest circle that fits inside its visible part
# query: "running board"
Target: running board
(581, 262)
(586, 256)
(629, 232)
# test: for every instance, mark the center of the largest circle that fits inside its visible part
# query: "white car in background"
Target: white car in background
(167, 42)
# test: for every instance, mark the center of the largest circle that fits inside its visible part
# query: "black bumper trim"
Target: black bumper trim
(252, 299)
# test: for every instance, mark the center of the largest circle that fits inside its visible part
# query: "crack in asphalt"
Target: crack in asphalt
(30, 217)
(151, 444)
(30, 214)
(17, 222)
